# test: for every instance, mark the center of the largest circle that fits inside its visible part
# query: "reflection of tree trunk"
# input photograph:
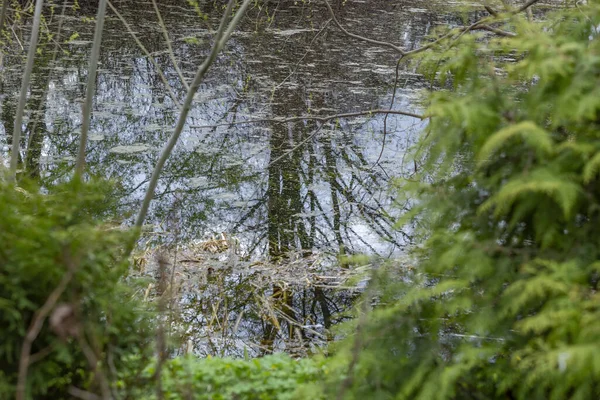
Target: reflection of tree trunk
(37, 131)
(320, 297)
(282, 302)
(269, 334)
(331, 170)
(285, 227)
(8, 117)
(275, 210)
(313, 200)
(36, 128)
(3, 15)
(325, 311)
(38, 100)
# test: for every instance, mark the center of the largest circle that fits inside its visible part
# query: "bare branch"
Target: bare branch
(325, 25)
(223, 34)
(490, 10)
(36, 326)
(93, 362)
(40, 354)
(159, 71)
(90, 90)
(482, 24)
(527, 5)
(497, 31)
(16, 139)
(359, 338)
(364, 39)
(161, 344)
(391, 105)
(314, 118)
(169, 47)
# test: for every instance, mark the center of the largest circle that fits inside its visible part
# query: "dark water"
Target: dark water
(301, 187)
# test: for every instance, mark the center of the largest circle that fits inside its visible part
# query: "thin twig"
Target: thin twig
(36, 326)
(159, 71)
(222, 36)
(364, 39)
(497, 31)
(527, 5)
(479, 25)
(40, 354)
(391, 105)
(16, 139)
(169, 47)
(90, 90)
(93, 362)
(313, 118)
(490, 10)
(301, 58)
(17, 38)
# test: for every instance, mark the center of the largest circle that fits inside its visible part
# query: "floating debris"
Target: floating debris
(130, 149)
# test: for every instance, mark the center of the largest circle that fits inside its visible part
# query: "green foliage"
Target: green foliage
(44, 235)
(504, 301)
(274, 377)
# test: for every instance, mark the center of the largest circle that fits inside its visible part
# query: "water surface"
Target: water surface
(308, 188)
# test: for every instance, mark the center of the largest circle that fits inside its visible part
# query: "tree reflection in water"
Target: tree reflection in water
(296, 195)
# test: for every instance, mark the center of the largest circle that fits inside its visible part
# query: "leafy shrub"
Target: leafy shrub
(45, 236)
(274, 377)
(503, 302)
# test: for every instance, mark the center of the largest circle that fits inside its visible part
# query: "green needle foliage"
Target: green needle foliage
(503, 302)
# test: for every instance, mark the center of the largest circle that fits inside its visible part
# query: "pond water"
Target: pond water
(317, 190)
